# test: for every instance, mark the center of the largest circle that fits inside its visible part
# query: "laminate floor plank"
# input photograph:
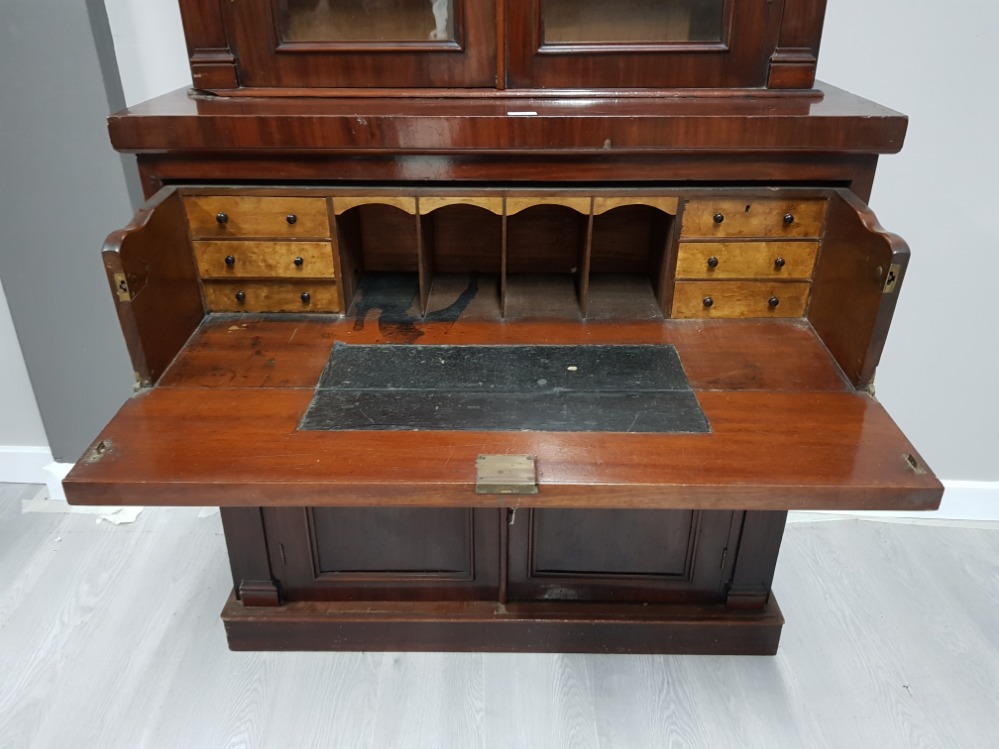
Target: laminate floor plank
(110, 637)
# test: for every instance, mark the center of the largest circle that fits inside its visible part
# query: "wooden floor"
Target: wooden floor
(110, 637)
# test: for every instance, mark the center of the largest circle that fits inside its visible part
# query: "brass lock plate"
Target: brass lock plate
(506, 474)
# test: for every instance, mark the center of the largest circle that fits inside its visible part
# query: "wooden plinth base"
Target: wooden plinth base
(490, 627)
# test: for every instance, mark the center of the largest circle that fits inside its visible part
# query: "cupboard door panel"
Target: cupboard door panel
(619, 555)
(384, 553)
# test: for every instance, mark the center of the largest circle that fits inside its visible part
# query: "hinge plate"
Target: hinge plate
(891, 280)
(506, 474)
(121, 288)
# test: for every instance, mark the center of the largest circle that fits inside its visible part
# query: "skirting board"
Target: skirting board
(962, 500)
(24, 465)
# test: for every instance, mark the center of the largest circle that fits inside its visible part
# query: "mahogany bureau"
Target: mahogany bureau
(513, 325)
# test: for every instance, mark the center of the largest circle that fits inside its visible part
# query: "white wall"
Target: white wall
(934, 62)
(20, 423)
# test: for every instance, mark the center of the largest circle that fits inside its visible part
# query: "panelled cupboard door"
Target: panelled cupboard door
(652, 44)
(363, 43)
(384, 553)
(647, 556)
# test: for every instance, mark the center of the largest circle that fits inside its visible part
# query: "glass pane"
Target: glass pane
(367, 21)
(623, 21)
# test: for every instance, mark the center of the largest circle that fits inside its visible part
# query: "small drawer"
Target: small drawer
(247, 259)
(739, 299)
(705, 218)
(212, 217)
(746, 259)
(272, 296)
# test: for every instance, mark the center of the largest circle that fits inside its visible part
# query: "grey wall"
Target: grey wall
(936, 62)
(62, 190)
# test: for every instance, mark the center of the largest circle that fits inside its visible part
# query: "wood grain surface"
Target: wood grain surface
(188, 443)
(93, 654)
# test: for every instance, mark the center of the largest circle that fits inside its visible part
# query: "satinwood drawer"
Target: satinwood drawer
(272, 296)
(792, 260)
(248, 259)
(740, 299)
(705, 218)
(217, 217)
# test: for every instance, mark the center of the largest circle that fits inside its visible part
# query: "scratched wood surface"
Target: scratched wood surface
(109, 637)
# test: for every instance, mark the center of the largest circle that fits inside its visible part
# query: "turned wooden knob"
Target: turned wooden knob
(712, 262)
(779, 263)
(222, 218)
(708, 302)
(299, 262)
(719, 217)
(306, 297)
(774, 301)
(291, 218)
(240, 296)
(788, 218)
(230, 260)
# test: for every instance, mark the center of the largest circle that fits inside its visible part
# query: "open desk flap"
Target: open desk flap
(224, 426)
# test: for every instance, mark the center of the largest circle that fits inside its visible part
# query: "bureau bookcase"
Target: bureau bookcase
(513, 325)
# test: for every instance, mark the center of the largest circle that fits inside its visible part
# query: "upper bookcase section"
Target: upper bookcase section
(326, 47)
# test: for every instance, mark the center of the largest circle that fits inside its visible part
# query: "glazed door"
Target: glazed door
(658, 44)
(363, 43)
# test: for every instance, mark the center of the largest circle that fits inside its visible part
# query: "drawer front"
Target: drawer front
(733, 217)
(212, 217)
(739, 299)
(746, 259)
(272, 296)
(247, 259)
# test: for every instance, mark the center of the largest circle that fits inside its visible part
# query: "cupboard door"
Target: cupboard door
(384, 553)
(363, 43)
(649, 556)
(598, 44)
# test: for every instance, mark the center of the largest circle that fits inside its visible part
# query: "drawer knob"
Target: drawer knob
(779, 263)
(774, 301)
(222, 218)
(719, 217)
(708, 302)
(230, 260)
(240, 296)
(291, 218)
(299, 262)
(788, 219)
(306, 297)
(712, 262)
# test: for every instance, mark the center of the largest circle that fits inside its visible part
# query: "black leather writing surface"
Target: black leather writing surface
(505, 388)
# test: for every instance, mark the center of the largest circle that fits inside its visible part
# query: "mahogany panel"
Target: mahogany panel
(191, 446)
(850, 308)
(291, 351)
(831, 121)
(516, 627)
(153, 280)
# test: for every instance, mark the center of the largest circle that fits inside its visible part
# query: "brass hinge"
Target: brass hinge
(505, 474)
(121, 288)
(891, 280)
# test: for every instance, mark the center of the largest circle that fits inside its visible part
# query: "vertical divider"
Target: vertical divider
(425, 256)
(586, 253)
(503, 256)
(345, 235)
(667, 272)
